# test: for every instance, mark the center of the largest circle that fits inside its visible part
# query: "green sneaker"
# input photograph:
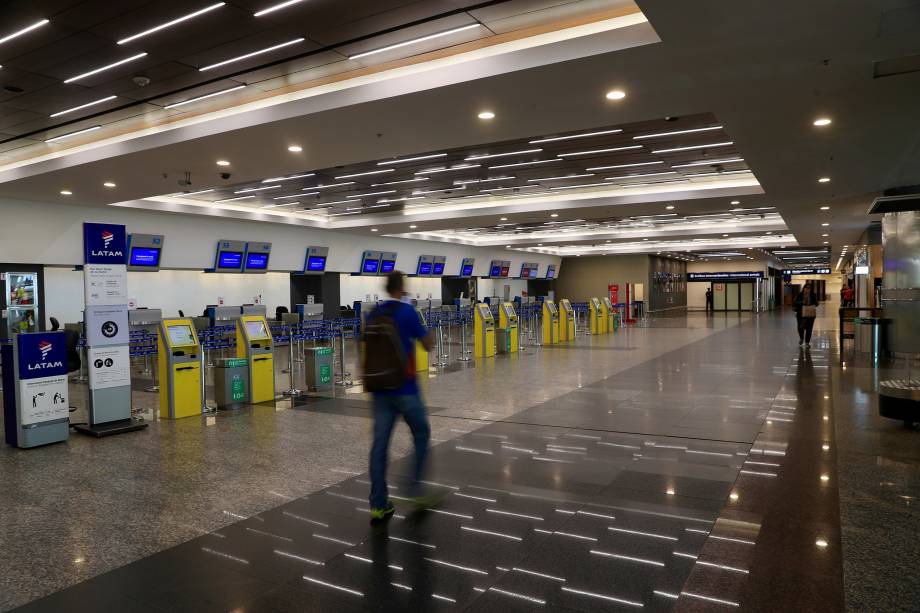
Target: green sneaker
(381, 514)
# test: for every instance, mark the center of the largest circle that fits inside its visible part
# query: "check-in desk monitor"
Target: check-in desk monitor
(483, 331)
(566, 320)
(550, 323)
(254, 342)
(180, 369)
(611, 320)
(598, 316)
(421, 356)
(508, 321)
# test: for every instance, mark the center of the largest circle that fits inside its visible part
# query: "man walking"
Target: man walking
(389, 373)
(709, 304)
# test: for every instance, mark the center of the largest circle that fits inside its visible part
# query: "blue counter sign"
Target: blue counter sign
(103, 243)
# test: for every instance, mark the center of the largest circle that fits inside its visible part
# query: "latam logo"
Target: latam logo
(107, 238)
(45, 347)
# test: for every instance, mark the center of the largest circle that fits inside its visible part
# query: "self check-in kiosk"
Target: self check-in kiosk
(598, 316)
(483, 332)
(254, 342)
(180, 369)
(550, 323)
(508, 324)
(566, 321)
(421, 356)
(611, 319)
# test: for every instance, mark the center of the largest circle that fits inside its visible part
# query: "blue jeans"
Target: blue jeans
(386, 410)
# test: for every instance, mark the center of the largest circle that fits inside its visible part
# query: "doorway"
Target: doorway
(733, 296)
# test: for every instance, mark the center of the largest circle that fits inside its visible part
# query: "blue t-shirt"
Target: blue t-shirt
(410, 329)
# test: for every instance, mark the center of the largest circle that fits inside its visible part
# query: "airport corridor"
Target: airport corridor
(689, 465)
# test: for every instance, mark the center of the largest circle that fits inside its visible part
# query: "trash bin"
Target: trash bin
(870, 335)
(231, 382)
(318, 368)
(503, 340)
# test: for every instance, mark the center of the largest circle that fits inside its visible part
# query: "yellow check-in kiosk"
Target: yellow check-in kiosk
(421, 356)
(566, 321)
(608, 306)
(550, 323)
(508, 321)
(483, 331)
(254, 342)
(179, 364)
(598, 316)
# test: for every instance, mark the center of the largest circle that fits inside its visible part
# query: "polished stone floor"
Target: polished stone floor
(701, 463)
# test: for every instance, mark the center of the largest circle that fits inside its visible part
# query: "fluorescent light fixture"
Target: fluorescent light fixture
(69, 134)
(109, 184)
(415, 41)
(821, 121)
(362, 174)
(825, 208)
(168, 24)
(83, 106)
(634, 164)
(412, 159)
(486, 115)
(436, 170)
(273, 206)
(202, 191)
(438, 191)
(560, 178)
(641, 174)
(252, 54)
(104, 68)
(595, 151)
(577, 186)
(329, 185)
(232, 199)
(336, 202)
(824, 180)
(501, 155)
(693, 147)
(279, 179)
(553, 139)
(257, 189)
(524, 164)
(295, 148)
(707, 162)
(387, 200)
(468, 181)
(197, 98)
(504, 189)
(626, 185)
(293, 196)
(661, 134)
(66, 192)
(24, 30)
(616, 94)
(276, 7)
(222, 163)
(392, 191)
(716, 174)
(415, 180)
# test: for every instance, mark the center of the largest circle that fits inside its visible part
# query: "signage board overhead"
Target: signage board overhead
(723, 276)
(104, 243)
(807, 271)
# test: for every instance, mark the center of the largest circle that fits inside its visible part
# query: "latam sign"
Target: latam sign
(41, 354)
(104, 243)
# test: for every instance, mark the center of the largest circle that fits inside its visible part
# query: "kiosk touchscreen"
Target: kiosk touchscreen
(421, 356)
(611, 318)
(508, 322)
(483, 331)
(598, 316)
(566, 320)
(254, 342)
(550, 323)
(180, 369)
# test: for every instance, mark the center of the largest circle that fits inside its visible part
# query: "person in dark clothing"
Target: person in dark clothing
(805, 305)
(709, 303)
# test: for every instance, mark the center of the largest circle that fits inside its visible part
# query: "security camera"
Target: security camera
(225, 175)
(141, 81)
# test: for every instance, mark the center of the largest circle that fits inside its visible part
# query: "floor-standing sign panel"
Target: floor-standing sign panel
(35, 403)
(105, 323)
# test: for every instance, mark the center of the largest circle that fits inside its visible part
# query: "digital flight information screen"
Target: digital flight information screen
(256, 261)
(438, 269)
(496, 271)
(230, 259)
(388, 266)
(144, 256)
(316, 263)
(371, 266)
(467, 271)
(424, 268)
(505, 271)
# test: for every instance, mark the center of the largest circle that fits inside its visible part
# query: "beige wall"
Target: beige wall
(587, 277)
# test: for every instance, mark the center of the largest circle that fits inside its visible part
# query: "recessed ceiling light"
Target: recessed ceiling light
(596, 151)
(69, 134)
(516, 164)
(362, 174)
(412, 159)
(412, 227)
(825, 242)
(223, 163)
(821, 543)
(295, 148)
(499, 155)
(108, 184)
(622, 166)
(570, 137)
(24, 30)
(616, 94)
(825, 208)
(66, 192)
(825, 235)
(825, 224)
(234, 199)
(503, 219)
(432, 171)
(822, 121)
(707, 163)
(246, 56)
(276, 7)
(554, 215)
(82, 106)
(106, 67)
(373, 229)
(414, 41)
(287, 178)
(725, 235)
(260, 189)
(197, 98)
(660, 134)
(735, 202)
(168, 24)
(824, 180)
(486, 115)
(670, 207)
(692, 147)
(331, 185)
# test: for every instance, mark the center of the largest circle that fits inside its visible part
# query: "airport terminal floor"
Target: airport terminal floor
(698, 463)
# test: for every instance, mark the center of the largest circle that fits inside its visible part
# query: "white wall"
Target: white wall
(696, 290)
(358, 288)
(486, 288)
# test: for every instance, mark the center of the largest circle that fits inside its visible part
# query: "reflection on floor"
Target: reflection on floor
(668, 468)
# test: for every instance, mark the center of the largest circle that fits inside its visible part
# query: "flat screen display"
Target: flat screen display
(438, 269)
(496, 271)
(316, 263)
(230, 259)
(144, 256)
(256, 261)
(256, 330)
(505, 271)
(180, 335)
(550, 272)
(467, 271)
(525, 272)
(388, 266)
(371, 266)
(424, 268)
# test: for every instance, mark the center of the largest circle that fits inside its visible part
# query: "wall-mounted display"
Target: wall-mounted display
(144, 251)
(257, 255)
(315, 260)
(466, 267)
(370, 263)
(230, 256)
(387, 262)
